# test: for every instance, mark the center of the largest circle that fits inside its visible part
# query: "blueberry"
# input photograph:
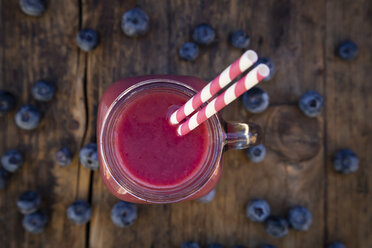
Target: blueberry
(27, 117)
(190, 244)
(208, 197)
(255, 100)
(267, 246)
(88, 156)
(203, 34)
(124, 214)
(135, 22)
(189, 51)
(87, 39)
(257, 210)
(29, 202)
(337, 245)
(276, 226)
(300, 218)
(7, 102)
(35, 222)
(12, 160)
(215, 245)
(270, 64)
(43, 91)
(345, 161)
(240, 39)
(4, 176)
(64, 156)
(79, 212)
(256, 153)
(32, 7)
(311, 103)
(347, 50)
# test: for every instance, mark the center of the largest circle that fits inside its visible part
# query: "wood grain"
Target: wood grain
(349, 107)
(32, 49)
(118, 57)
(300, 37)
(283, 179)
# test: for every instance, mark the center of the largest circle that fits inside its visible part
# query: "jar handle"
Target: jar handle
(242, 135)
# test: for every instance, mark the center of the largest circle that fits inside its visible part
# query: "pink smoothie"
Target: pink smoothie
(148, 147)
(154, 142)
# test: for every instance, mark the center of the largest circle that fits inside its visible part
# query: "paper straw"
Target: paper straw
(232, 93)
(231, 72)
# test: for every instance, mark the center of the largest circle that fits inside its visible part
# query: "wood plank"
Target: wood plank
(118, 57)
(34, 48)
(293, 171)
(218, 221)
(349, 108)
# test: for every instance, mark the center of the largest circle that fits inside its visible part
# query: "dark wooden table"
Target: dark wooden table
(300, 36)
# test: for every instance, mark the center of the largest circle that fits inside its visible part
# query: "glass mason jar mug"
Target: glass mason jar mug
(118, 163)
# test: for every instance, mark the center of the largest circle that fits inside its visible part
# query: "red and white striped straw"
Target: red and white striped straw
(232, 93)
(231, 72)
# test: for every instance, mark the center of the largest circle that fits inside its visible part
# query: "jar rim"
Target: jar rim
(174, 193)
